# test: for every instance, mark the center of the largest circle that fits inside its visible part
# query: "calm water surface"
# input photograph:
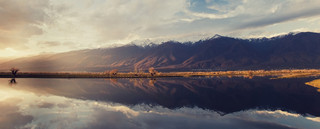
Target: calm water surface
(165, 103)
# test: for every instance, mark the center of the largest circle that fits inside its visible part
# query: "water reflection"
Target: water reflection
(161, 103)
(12, 81)
(225, 95)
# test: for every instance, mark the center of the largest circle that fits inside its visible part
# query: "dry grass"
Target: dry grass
(314, 83)
(245, 73)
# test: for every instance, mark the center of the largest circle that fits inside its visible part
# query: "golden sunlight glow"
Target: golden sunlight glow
(9, 52)
(278, 112)
(5, 95)
(314, 83)
(315, 119)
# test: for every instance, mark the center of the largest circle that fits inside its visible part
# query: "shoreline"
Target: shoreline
(276, 74)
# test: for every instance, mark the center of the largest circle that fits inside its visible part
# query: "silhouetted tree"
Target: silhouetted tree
(114, 71)
(14, 71)
(152, 82)
(152, 71)
(13, 81)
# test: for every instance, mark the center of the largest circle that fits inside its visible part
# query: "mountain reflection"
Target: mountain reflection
(224, 95)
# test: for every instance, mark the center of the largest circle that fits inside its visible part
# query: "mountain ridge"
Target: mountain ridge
(294, 50)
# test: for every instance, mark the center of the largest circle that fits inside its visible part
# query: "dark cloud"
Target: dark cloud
(45, 105)
(10, 117)
(49, 44)
(63, 105)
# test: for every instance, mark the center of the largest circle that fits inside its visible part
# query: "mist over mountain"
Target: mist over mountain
(300, 50)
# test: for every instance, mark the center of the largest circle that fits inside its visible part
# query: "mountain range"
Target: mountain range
(294, 50)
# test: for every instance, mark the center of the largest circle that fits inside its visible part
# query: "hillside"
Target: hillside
(301, 50)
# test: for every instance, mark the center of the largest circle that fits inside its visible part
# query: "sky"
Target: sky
(31, 27)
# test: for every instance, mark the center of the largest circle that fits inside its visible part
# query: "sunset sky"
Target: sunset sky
(30, 27)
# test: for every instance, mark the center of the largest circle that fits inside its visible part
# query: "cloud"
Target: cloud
(129, 19)
(38, 112)
(49, 44)
(11, 118)
(45, 105)
(83, 24)
(185, 118)
(20, 20)
(280, 12)
(111, 120)
(260, 124)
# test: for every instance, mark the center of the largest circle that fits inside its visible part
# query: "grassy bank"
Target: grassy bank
(314, 83)
(247, 73)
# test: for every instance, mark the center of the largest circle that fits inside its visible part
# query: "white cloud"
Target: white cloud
(20, 20)
(106, 21)
(100, 23)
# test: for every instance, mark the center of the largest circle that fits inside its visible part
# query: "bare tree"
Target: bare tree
(13, 81)
(14, 71)
(114, 71)
(152, 71)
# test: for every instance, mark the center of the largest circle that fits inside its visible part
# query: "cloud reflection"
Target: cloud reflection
(50, 111)
(10, 116)
(224, 95)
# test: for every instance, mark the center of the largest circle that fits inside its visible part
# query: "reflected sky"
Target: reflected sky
(49, 103)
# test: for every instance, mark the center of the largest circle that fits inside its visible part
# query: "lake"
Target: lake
(162, 103)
